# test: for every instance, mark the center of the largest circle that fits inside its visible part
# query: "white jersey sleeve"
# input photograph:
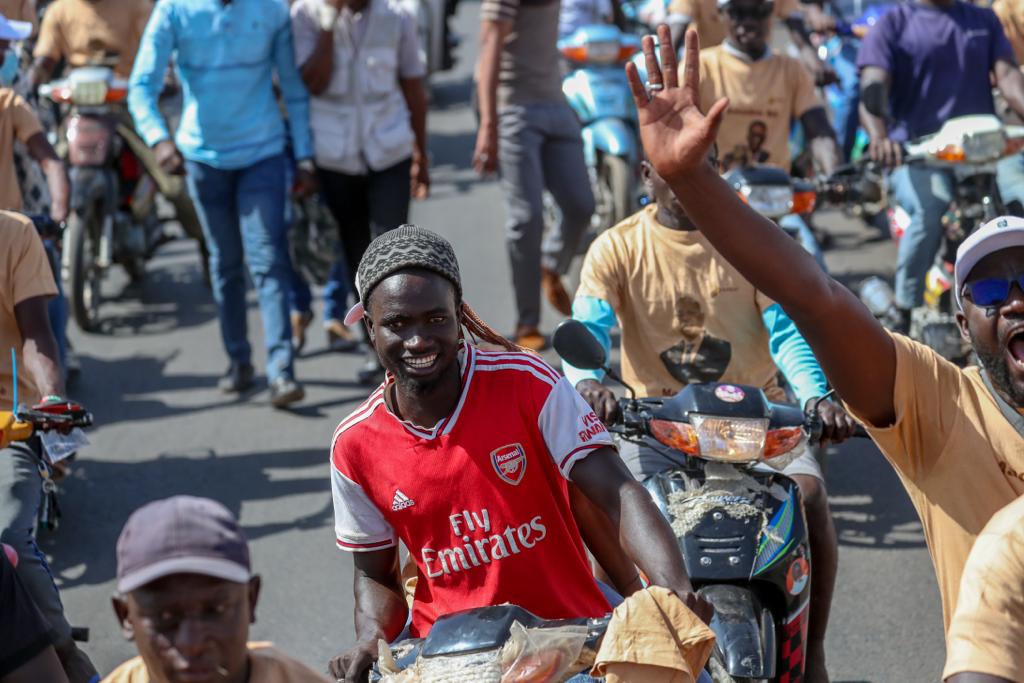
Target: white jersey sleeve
(358, 525)
(570, 428)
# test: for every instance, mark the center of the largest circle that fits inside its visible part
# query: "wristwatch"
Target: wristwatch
(306, 165)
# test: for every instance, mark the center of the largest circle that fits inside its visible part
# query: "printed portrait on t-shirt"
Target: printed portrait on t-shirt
(699, 356)
(753, 152)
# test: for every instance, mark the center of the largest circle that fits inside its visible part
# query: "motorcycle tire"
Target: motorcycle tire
(82, 278)
(616, 189)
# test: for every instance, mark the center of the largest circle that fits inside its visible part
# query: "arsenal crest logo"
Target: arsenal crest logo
(509, 462)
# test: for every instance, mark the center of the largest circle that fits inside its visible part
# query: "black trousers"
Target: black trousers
(366, 206)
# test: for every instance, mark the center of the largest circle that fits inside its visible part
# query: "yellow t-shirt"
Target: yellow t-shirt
(704, 17)
(957, 455)
(17, 122)
(685, 313)
(765, 97)
(1011, 16)
(24, 273)
(85, 31)
(987, 632)
(268, 665)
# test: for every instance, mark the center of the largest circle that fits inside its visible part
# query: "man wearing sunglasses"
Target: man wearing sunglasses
(954, 435)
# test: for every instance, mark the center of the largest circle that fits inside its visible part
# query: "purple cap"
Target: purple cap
(181, 535)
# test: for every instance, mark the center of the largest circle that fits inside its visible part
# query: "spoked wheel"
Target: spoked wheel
(83, 275)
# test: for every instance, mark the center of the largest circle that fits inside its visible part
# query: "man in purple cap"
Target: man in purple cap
(186, 595)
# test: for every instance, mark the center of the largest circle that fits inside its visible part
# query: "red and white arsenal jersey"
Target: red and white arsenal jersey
(480, 500)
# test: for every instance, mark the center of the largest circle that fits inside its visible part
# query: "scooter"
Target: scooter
(113, 216)
(969, 147)
(597, 90)
(739, 520)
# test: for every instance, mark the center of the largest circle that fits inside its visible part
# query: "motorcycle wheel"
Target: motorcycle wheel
(614, 192)
(83, 276)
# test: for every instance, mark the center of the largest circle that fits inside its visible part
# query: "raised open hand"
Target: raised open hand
(676, 135)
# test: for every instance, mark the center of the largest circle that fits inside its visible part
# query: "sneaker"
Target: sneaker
(300, 321)
(555, 292)
(530, 338)
(237, 379)
(372, 372)
(339, 337)
(285, 391)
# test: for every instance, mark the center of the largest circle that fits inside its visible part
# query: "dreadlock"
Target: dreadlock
(481, 331)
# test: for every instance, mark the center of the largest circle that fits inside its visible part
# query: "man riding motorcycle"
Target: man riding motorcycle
(923, 63)
(465, 455)
(769, 92)
(90, 32)
(660, 280)
(26, 284)
(953, 435)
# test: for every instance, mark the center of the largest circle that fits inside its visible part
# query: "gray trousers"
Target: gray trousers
(539, 147)
(20, 496)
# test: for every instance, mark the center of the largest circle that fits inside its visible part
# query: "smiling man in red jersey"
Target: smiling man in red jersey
(465, 456)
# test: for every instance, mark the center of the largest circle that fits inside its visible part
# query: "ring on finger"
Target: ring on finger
(655, 87)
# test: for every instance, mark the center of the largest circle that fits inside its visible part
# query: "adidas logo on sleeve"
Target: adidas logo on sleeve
(401, 501)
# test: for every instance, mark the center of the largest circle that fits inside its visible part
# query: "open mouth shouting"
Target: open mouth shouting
(1015, 348)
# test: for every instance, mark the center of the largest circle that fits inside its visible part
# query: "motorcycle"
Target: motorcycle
(969, 147)
(597, 90)
(739, 521)
(113, 216)
(493, 644)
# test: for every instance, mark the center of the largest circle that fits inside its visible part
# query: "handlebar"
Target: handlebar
(20, 425)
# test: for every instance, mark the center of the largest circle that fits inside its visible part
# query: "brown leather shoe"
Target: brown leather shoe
(554, 290)
(300, 321)
(530, 338)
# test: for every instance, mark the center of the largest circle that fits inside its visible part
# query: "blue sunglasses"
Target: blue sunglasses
(992, 291)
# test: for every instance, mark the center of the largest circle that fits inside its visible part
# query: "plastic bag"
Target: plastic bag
(541, 655)
(60, 446)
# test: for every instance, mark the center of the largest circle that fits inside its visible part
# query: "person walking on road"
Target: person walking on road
(362, 64)
(530, 135)
(231, 147)
(955, 436)
(26, 286)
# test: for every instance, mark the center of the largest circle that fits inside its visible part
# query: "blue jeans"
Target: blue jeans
(335, 292)
(925, 194)
(58, 309)
(242, 214)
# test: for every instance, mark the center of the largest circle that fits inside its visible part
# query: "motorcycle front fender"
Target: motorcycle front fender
(744, 631)
(610, 136)
(90, 185)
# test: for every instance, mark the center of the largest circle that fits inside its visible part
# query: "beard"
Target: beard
(419, 386)
(995, 365)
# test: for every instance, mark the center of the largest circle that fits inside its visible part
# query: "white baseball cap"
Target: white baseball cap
(14, 30)
(999, 233)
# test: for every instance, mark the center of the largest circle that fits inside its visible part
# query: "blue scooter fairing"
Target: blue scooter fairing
(610, 136)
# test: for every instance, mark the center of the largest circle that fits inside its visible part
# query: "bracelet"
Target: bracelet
(306, 165)
(327, 15)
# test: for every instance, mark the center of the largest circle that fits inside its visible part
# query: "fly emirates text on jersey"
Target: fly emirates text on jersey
(485, 547)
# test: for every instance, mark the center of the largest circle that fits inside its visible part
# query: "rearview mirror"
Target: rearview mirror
(577, 346)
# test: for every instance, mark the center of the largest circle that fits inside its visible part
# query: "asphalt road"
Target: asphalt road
(162, 429)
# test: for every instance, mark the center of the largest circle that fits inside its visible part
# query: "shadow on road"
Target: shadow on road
(93, 515)
(869, 504)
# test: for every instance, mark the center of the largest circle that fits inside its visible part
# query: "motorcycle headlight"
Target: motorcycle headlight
(602, 51)
(984, 146)
(89, 92)
(731, 439)
(771, 201)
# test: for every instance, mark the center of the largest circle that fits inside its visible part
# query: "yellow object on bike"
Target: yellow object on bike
(12, 430)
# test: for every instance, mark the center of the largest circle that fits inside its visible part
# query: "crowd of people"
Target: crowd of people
(497, 468)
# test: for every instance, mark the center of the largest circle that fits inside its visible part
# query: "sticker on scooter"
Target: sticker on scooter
(797, 577)
(729, 393)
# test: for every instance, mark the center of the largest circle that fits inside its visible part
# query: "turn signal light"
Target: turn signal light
(782, 441)
(803, 202)
(951, 153)
(677, 435)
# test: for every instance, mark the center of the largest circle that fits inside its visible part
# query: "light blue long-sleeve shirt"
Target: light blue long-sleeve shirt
(226, 56)
(788, 348)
